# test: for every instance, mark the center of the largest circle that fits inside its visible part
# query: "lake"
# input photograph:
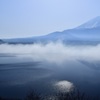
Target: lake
(20, 75)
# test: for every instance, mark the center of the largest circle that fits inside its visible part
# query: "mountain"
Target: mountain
(94, 23)
(87, 33)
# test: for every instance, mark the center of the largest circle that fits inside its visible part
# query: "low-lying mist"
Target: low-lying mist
(52, 52)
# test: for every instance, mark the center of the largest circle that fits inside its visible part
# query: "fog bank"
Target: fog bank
(52, 52)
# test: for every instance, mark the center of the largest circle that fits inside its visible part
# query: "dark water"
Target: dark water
(18, 77)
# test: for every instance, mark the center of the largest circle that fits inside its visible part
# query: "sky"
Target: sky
(26, 18)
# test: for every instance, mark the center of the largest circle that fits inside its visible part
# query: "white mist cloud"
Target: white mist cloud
(52, 52)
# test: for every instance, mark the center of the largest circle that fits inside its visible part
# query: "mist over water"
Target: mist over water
(56, 66)
(52, 52)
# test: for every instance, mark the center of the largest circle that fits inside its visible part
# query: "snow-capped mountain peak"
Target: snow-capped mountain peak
(94, 23)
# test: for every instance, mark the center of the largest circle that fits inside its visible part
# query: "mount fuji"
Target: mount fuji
(87, 33)
(94, 23)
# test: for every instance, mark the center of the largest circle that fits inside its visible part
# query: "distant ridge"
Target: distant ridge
(1, 41)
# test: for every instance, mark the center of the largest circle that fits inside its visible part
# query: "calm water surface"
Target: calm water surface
(20, 76)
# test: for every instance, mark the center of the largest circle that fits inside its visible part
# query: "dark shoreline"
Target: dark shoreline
(74, 95)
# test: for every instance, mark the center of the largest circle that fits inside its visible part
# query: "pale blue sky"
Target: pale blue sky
(22, 18)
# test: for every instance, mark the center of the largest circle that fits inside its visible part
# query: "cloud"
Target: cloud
(52, 52)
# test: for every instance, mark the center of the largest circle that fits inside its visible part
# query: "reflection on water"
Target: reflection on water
(19, 76)
(94, 64)
(64, 86)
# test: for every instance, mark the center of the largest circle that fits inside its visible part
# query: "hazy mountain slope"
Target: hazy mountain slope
(87, 32)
